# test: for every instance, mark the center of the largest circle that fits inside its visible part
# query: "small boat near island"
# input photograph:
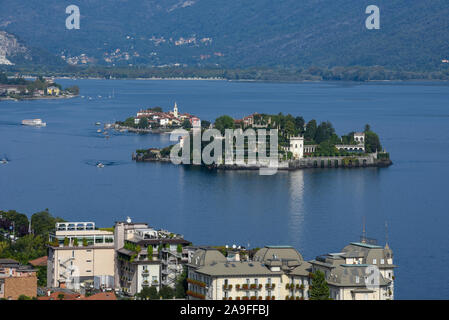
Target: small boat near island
(4, 161)
(100, 165)
(34, 122)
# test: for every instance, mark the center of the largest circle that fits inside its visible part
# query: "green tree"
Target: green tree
(186, 124)
(372, 142)
(23, 297)
(320, 289)
(42, 276)
(43, 222)
(143, 123)
(181, 285)
(61, 296)
(85, 243)
(310, 130)
(150, 252)
(129, 122)
(66, 242)
(75, 242)
(224, 122)
(166, 292)
(148, 293)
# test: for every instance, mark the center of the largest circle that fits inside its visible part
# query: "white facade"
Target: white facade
(297, 147)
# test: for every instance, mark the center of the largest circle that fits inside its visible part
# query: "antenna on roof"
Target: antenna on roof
(386, 233)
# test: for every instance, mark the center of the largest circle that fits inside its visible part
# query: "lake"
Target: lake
(315, 210)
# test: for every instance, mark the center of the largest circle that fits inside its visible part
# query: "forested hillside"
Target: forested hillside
(414, 34)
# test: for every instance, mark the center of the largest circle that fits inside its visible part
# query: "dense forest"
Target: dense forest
(238, 35)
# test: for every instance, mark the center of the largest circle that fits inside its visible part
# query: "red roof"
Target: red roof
(76, 296)
(39, 262)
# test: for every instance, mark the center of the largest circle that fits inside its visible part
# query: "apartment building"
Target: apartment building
(274, 273)
(80, 255)
(361, 271)
(16, 280)
(147, 257)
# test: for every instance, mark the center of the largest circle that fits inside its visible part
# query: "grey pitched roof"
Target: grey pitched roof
(206, 256)
(347, 275)
(240, 268)
(269, 254)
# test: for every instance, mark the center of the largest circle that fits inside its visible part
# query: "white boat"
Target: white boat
(4, 161)
(33, 122)
(100, 165)
(97, 123)
(99, 130)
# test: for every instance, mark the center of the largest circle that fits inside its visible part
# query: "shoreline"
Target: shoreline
(337, 162)
(39, 98)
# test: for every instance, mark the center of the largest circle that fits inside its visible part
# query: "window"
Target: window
(269, 280)
(88, 270)
(357, 279)
(226, 294)
(374, 261)
(382, 261)
(247, 281)
(256, 281)
(226, 282)
(247, 294)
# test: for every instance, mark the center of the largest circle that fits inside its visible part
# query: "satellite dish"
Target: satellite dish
(128, 220)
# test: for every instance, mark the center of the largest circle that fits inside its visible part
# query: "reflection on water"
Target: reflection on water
(296, 204)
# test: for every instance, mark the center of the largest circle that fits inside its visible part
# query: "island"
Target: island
(155, 120)
(299, 145)
(18, 88)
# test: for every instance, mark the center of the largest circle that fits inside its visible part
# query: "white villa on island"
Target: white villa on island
(298, 148)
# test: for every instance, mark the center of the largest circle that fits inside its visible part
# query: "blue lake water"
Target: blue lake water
(316, 210)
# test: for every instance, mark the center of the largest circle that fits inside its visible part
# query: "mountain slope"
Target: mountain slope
(237, 33)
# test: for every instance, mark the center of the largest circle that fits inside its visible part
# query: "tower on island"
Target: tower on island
(297, 147)
(175, 110)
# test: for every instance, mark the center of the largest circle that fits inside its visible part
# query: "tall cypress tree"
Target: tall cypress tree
(320, 290)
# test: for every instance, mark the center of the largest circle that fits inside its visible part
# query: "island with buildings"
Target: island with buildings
(155, 120)
(300, 144)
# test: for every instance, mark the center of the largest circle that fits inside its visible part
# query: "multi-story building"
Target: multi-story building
(16, 280)
(80, 254)
(362, 271)
(147, 257)
(275, 273)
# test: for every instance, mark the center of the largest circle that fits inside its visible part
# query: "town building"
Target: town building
(16, 280)
(53, 91)
(361, 271)
(147, 257)
(275, 273)
(80, 255)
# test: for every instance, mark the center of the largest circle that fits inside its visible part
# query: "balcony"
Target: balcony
(227, 287)
(145, 272)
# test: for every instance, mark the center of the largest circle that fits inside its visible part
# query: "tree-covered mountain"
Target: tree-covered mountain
(414, 34)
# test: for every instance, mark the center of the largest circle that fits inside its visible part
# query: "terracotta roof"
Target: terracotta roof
(39, 262)
(102, 296)
(76, 296)
(54, 296)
